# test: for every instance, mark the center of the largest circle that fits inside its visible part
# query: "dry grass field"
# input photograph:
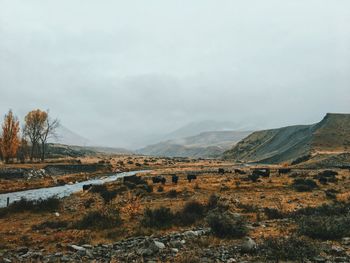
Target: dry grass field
(268, 206)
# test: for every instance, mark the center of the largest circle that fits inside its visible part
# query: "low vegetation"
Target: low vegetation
(304, 185)
(324, 227)
(291, 248)
(225, 225)
(107, 195)
(51, 204)
(104, 219)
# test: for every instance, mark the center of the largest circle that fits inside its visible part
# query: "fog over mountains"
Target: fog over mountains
(124, 74)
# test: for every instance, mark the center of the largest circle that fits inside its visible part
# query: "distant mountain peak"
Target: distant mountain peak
(68, 137)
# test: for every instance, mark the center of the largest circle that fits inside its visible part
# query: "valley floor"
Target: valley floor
(206, 220)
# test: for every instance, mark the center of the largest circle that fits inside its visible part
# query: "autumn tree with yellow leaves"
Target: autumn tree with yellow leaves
(9, 141)
(39, 128)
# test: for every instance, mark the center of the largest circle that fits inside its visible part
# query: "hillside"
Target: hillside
(68, 137)
(329, 136)
(205, 144)
(62, 150)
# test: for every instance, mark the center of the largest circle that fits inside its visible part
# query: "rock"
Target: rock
(176, 244)
(231, 260)
(65, 259)
(160, 245)
(7, 260)
(77, 248)
(22, 250)
(345, 241)
(174, 250)
(338, 249)
(248, 245)
(57, 214)
(87, 246)
(151, 247)
(319, 259)
(190, 234)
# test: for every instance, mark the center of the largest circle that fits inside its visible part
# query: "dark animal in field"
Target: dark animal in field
(158, 179)
(261, 172)
(327, 176)
(328, 173)
(239, 171)
(221, 170)
(86, 187)
(284, 171)
(254, 177)
(174, 179)
(191, 177)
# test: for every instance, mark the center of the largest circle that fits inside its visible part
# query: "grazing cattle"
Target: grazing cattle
(158, 179)
(174, 179)
(191, 177)
(328, 173)
(284, 171)
(239, 171)
(261, 172)
(86, 187)
(221, 171)
(327, 176)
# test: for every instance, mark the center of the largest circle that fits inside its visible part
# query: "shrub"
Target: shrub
(172, 193)
(88, 202)
(301, 159)
(225, 225)
(41, 205)
(248, 208)
(51, 224)
(273, 213)
(304, 185)
(292, 248)
(326, 227)
(334, 209)
(160, 189)
(191, 212)
(213, 201)
(104, 192)
(99, 220)
(158, 218)
(331, 193)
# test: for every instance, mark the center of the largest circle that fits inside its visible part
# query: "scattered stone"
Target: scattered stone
(77, 248)
(345, 241)
(248, 245)
(319, 259)
(175, 250)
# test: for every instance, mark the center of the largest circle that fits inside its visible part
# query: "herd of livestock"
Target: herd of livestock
(252, 175)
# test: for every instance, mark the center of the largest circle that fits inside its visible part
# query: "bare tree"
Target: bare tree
(48, 131)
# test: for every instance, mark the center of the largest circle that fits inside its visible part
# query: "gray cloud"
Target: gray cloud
(119, 72)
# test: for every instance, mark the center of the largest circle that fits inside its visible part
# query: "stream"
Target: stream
(59, 191)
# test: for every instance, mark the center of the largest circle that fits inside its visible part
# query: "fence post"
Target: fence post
(8, 201)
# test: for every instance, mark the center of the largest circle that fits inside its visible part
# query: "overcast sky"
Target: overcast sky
(119, 71)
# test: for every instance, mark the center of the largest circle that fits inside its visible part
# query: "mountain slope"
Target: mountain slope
(332, 134)
(66, 136)
(206, 144)
(194, 128)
